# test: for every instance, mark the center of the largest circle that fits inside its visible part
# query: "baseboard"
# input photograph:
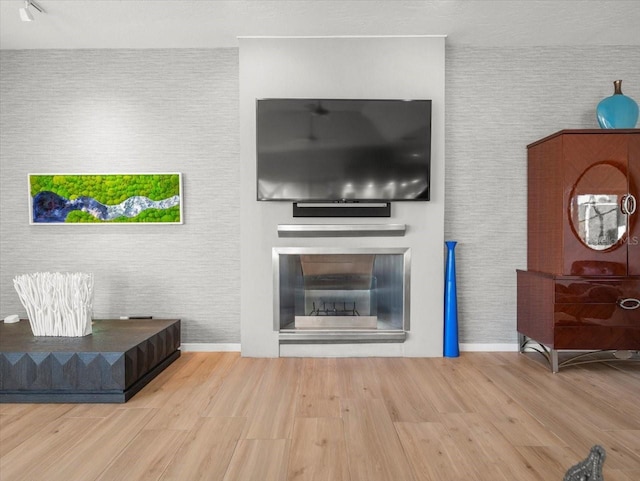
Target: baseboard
(235, 347)
(495, 347)
(209, 347)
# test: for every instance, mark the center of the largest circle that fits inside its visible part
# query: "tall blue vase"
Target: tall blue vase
(617, 111)
(451, 348)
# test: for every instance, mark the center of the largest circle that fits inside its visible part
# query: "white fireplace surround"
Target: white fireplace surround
(411, 67)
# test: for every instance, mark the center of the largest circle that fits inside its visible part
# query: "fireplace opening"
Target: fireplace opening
(320, 290)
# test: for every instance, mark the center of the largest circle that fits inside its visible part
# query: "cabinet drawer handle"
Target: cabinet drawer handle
(628, 204)
(629, 303)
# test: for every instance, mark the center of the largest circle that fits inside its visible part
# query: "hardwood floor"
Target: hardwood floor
(217, 416)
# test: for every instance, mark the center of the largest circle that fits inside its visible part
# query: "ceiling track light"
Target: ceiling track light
(25, 12)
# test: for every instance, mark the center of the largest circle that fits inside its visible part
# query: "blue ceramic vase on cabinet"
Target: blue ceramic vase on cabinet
(617, 111)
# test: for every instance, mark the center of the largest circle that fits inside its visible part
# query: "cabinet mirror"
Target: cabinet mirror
(596, 215)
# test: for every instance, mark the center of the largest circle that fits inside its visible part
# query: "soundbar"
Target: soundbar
(342, 209)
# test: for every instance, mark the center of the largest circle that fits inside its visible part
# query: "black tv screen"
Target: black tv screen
(331, 150)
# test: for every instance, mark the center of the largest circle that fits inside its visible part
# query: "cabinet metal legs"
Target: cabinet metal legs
(550, 354)
(553, 360)
(575, 357)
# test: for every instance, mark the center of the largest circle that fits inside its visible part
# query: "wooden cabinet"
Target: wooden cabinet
(581, 289)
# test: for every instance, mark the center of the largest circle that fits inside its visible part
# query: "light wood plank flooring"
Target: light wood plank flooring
(218, 416)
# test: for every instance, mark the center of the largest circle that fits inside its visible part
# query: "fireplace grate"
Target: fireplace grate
(332, 310)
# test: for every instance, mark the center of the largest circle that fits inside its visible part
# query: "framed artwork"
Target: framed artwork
(105, 198)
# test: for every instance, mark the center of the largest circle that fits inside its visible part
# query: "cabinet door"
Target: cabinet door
(634, 219)
(596, 181)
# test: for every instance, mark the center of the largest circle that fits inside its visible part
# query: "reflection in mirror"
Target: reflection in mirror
(598, 220)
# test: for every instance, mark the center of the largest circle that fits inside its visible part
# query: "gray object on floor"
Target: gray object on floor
(590, 469)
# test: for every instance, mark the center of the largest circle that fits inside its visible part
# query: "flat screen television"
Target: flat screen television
(340, 150)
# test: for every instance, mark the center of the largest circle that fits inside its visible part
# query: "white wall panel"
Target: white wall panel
(178, 110)
(499, 100)
(372, 67)
(110, 111)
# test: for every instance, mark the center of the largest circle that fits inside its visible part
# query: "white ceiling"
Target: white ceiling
(218, 23)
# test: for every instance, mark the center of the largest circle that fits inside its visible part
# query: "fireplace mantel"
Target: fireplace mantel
(341, 230)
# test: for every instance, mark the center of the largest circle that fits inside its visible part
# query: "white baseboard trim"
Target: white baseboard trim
(235, 347)
(209, 347)
(473, 347)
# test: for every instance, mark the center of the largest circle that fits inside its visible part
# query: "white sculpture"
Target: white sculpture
(57, 304)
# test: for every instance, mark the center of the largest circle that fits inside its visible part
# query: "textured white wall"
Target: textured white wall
(409, 67)
(128, 111)
(499, 100)
(177, 110)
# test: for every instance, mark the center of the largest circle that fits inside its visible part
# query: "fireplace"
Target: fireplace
(327, 295)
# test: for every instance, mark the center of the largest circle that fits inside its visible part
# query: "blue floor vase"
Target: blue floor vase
(450, 347)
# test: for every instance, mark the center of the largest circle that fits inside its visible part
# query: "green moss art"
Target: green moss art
(106, 198)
